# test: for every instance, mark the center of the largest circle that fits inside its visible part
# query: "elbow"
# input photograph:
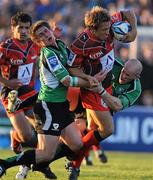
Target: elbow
(134, 35)
(131, 36)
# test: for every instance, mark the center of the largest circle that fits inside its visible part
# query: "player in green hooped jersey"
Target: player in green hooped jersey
(53, 72)
(126, 84)
(128, 90)
(53, 118)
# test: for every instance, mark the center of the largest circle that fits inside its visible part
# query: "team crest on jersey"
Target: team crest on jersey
(119, 90)
(84, 37)
(96, 55)
(103, 44)
(55, 126)
(54, 63)
(71, 58)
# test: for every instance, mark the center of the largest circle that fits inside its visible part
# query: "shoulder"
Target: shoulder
(6, 43)
(59, 41)
(80, 41)
(118, 62)
(137, 82)
(48, 52)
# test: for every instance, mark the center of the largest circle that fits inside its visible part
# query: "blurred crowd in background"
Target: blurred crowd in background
(68, 14)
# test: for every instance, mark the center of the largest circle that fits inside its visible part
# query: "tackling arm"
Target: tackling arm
(113, 102)
(122, 101)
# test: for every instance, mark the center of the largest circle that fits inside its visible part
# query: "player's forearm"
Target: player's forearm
(129, 16)
(83, 83)
(113, 102)
(92, 81)
(78, 73)
(76, 82)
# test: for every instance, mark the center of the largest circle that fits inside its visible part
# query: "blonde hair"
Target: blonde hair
(96, 16)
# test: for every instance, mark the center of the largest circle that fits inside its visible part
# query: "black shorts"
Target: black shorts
(51, 118)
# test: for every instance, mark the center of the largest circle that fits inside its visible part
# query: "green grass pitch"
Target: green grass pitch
(120, 166)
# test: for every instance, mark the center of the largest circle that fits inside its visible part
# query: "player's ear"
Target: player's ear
(12, 28)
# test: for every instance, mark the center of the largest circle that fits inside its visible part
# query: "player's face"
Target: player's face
(102, 31)
(126, 76)
(21, 31)
(45, 36)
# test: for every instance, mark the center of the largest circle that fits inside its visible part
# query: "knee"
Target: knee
(109, 131)
(44, 154)
(77, 146)
(106, 132)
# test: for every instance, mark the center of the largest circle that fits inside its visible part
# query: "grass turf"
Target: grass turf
(120, 166)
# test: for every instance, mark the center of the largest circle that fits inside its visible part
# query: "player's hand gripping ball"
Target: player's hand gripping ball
(120, 29)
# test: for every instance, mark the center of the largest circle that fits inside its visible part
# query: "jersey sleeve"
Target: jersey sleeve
(55, 65)
(77, 49)
(2, 55)
(130, 97)
(116, 17)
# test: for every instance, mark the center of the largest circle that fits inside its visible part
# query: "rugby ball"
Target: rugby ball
(120, 29)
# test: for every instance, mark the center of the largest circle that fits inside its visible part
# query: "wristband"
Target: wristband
(102, 92)
(73, 81)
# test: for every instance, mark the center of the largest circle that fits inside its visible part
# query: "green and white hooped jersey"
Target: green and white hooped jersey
(128, 93)
(52, 70)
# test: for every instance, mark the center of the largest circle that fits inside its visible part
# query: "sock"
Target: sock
(27, 157)
(77, 163)
(97, 150)
(96, 147)
(91, 138)
(87, 153)
(62, 151)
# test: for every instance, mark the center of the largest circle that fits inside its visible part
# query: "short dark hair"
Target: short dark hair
(96, 16)
(36, 26)
(20, 17)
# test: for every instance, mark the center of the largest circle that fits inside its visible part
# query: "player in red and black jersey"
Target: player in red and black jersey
(94, 49)
(18, 64)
